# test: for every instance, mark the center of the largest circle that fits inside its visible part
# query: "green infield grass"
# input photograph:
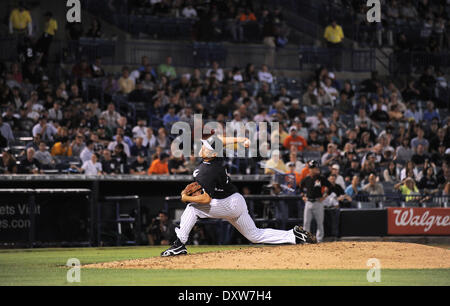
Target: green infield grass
(47, 267)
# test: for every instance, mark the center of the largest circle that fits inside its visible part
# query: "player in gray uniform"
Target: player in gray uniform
(220, 200)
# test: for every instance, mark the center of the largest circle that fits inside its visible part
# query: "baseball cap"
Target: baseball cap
(313, 164)
(335, 166)
(295, 101)
(292, 128)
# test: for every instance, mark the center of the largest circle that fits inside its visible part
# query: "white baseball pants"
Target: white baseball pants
(234, 210)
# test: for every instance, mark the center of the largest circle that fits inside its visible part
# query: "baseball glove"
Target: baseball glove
(193, 189)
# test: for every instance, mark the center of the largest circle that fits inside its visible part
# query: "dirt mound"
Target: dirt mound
(333, 255)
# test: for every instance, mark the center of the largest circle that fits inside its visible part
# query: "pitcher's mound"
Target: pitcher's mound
(333, 255)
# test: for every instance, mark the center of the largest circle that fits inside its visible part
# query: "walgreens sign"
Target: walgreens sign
(418, 221)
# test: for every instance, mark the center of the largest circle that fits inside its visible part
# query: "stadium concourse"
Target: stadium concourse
(383, 136)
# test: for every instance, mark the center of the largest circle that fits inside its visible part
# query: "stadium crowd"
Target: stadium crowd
(367, 136)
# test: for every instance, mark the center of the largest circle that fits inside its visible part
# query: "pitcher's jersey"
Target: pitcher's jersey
(214, 179)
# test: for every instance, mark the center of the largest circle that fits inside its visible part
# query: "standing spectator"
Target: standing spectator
(159, 165)
(20, 21)
(314, 188)
(268, 32)
(334, 36)
(43, 44)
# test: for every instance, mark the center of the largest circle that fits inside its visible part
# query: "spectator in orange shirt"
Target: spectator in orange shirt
(62, 148)
(160, 165)
(247, 16)
(306, 171)
(294, 139)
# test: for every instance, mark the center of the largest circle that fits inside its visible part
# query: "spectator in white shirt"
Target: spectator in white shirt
(189, 12)
(111, 116)
(217, 70)
(55, 113)
(46, 130)
(140, 130)
(87, 152)
(264, 75)
(91, 166)
(339, 179)
(119, 139)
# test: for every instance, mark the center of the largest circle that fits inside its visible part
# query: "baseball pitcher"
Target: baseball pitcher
(212, 195)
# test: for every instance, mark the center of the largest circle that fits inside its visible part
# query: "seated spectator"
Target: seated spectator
(162, 140)
(420, 157)
(353, 189)
(97, 69)
(298, 164)
(120, 159)
(119, 140)
(429, 183)
(392, 173)
(337, 195)
(408, 189)
(138, 147)
(403, 152)
(159, 165)
(46, 130)
(294, 139)
(274, 163)
(420, 140)
(43, 156)
(217, 70)
(126, 83)
(264, 75)
(170, 117)
(140, 165)
(8, 164)
(90, 167)
(176, 165)
(373, 187)
(108, 164)
(82, 69)
(111, 116)
(29, 164)
(339, 179)
(314, 143)
(352, 171)
(430, 113)
(167, 69)
(87, 152)
(330, 156)
(161, 231)
(291, 169)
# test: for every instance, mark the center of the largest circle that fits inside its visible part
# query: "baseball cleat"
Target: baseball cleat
(177, 248)
(302, 236)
